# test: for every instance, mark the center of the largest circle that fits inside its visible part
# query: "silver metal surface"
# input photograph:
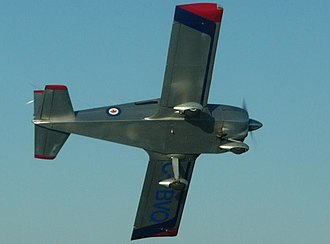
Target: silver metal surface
(174, 130)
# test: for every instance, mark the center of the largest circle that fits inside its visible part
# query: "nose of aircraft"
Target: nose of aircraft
(254, 124)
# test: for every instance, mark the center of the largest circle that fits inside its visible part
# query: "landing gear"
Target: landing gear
(234, 146)
(176, 182)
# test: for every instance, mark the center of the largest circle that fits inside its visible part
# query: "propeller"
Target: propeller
(252, 124)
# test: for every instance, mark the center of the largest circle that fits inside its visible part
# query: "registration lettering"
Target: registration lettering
(163, 198)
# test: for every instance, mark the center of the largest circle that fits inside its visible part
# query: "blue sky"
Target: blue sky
(274, 54)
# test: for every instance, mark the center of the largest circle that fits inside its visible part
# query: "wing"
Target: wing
(191, 54)
(160, 208)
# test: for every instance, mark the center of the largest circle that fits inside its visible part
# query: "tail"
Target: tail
(50, 105)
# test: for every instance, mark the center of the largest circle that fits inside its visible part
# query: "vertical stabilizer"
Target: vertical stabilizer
(52, 103)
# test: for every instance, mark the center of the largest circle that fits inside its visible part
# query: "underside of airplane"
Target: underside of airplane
(173, 129)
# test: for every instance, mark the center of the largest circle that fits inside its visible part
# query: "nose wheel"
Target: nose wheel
(234, 146)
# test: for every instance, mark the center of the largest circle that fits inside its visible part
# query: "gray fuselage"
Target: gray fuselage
(136, 124)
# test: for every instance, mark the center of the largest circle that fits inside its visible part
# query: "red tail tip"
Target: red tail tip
(56, 87)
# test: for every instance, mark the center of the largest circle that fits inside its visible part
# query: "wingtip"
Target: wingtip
(168, 232)
(39, 156)
(209, 11)
(150, 232)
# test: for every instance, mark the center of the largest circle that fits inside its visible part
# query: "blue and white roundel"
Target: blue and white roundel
(113, 111)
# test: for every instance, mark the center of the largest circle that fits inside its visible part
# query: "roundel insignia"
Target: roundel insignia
(113, 111)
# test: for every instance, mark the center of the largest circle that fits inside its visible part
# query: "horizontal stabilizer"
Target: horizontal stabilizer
(48, 142)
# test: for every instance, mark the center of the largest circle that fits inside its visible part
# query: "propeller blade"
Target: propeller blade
(244, 104)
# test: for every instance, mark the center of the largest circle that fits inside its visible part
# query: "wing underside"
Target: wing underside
(160, 208)
(191, 54)
(186, 86)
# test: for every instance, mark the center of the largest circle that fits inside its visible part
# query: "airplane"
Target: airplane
(173, 129)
